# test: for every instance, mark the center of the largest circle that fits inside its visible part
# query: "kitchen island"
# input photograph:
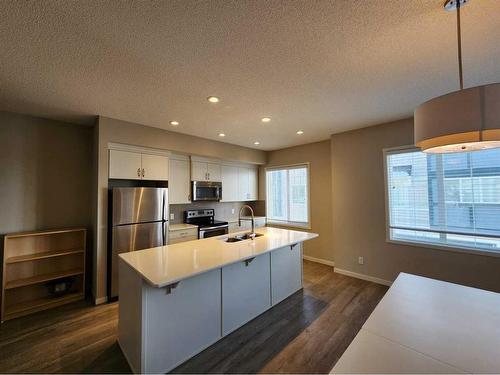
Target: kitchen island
(177, 300)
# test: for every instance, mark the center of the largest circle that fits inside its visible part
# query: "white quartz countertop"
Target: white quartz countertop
(164, 265)
(181, 226)
(424, 325)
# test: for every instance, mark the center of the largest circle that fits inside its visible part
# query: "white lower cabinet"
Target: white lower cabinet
(246, 291)
(182, 323)
(286, 272)
(176, 236)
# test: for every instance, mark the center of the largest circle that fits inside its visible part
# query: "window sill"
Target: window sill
(463, 250)
(288, 225)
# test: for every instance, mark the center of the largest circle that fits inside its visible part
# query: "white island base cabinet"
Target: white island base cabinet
(246, 291)
(159, 328)
(286, 272)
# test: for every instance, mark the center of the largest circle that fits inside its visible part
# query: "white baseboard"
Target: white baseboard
(319, 260)
(363, 277)
(100, 301)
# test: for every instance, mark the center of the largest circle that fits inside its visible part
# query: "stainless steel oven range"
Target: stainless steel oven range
(207, 225)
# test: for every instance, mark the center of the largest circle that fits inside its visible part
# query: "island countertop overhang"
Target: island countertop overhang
(166, 265)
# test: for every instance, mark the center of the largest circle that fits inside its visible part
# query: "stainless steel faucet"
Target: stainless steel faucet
(253, 218)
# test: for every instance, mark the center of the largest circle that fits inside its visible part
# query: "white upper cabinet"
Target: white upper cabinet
(214, 172)
(203, 171)
(243, 181)
(125, 165)
(253, 184)
(179, 191)
(199, 171)
(229, 183)
(154, 167)
(136, 166)
(247, 184)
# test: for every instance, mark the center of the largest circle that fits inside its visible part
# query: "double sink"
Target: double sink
(242, 237)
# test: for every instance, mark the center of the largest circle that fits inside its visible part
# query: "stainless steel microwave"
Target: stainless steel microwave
(206, 191)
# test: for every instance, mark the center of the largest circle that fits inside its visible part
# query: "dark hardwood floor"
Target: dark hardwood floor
(306, 333)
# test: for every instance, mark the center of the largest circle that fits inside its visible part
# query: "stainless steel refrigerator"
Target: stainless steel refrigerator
(139, 221)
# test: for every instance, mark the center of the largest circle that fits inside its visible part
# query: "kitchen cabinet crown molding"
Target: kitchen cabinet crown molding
(138, 149)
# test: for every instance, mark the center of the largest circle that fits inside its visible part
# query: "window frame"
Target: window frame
(291, 224)
(425, 245)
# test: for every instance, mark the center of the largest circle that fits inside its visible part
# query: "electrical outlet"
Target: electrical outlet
(172, 216)
(232, 211)
(361, 260)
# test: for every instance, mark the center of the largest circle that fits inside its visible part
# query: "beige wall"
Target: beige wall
(359, 226)
(46, 174)
(111, 130)
(46, 169)
(318, 155)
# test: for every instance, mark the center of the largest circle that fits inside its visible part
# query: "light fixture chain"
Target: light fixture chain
(459, 38)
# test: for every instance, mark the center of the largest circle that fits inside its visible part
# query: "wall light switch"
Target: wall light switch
(172, 216)
(361, 260)
(232, 211)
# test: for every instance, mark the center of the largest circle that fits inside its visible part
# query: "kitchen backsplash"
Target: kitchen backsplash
(223, 210)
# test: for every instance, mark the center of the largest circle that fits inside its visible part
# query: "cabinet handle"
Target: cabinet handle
(143, 173)
(292, 246)
(138, 172)
(169, 288)
(248, 261)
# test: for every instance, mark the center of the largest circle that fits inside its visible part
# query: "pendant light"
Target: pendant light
(464, 120)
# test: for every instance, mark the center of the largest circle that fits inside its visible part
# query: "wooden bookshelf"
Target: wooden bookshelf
(33, 262)
(42, 255)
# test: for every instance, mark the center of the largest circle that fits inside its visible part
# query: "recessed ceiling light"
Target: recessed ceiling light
(266, 119)
(213, 99)
(256, 143)
(174, 123)
(222, 135)
(300, 132)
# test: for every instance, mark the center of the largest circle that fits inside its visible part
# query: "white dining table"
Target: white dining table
(426, 326)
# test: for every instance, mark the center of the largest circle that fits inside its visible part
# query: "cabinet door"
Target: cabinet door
(181, 323)
(246, 291)
(229, 183)
(124, 165)
(286, 272)
(179, 183)
(199, 171)
(154, 167)
(253, 184)
(214, 172)
(243, 181)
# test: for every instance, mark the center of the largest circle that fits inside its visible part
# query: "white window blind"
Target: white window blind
(288, 195)
(445, 199)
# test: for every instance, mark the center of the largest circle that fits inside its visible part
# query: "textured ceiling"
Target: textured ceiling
(320, 66)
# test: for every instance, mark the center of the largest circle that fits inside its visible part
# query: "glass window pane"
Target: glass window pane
(298, 194)
(450, 199)
(277, 194)
(288, 195)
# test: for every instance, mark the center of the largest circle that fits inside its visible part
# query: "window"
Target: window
(287, 200)
(445, 199)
